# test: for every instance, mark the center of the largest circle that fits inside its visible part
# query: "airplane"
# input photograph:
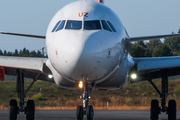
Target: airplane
(89, 49)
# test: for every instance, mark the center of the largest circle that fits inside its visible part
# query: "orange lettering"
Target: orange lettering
(81, 14)
(85, 14)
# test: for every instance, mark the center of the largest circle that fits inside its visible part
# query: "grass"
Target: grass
(129, 101)
(49, 95)
(37, 97)
(177, 90)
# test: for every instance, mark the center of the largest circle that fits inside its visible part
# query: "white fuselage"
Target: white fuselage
(94, 55)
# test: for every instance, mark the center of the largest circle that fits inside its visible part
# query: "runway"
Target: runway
(99, 115)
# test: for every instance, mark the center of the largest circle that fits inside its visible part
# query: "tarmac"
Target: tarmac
(99, 115)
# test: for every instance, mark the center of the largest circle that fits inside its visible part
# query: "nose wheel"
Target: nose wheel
(79, 113)
(85, 109)
(90, 113)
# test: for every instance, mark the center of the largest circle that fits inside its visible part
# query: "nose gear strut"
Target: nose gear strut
(85, 109)
(85, 99)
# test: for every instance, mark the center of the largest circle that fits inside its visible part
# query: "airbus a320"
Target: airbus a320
(89, 49)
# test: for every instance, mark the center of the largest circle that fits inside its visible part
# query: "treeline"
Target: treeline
(153, 48)
(23, 53)
(157, 48)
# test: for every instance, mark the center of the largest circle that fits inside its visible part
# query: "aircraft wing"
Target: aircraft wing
(134, 39)
(24, 35)
(34, 68)
(150, 68)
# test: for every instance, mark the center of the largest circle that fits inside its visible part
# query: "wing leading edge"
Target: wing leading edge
(24, 35)
(134, 39)
(150, 68)
(31, 67)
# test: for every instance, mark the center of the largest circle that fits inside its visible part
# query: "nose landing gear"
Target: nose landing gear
(85, 109)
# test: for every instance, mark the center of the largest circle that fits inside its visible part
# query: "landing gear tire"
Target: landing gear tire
(154, 110)
(13, 109)
(79, 113)
(172, 110)
(90, 113)
(30, 110)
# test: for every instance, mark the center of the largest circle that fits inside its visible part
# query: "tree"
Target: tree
(9, 54)
(5, 52)
(33, 54)
(173, 44)
(138, 51)
(16, 53)
(22, 53)
(24, 50)
(1, 53)
(141, 43)
(27, 53)
(152, 44)
(162, 50)
(148, 53)
(39, 54)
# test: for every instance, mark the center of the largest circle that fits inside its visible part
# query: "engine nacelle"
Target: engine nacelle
(2, 74)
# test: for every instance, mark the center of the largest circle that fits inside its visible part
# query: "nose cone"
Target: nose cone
(81, 56)
(72, 50)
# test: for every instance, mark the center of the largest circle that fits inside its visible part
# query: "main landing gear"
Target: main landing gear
(85, 109)
(14, 109)
(155, 109)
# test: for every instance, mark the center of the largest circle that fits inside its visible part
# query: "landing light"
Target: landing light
(133, 76)
(50, 76)
(80, 84)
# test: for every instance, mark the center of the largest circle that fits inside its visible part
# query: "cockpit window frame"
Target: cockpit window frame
(106, 24)
(112, 26)
(103, 24)
(56, 26)
(61, 25)
(74, 21)
(98, 25)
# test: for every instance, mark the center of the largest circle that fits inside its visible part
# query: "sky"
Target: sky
(140, 18)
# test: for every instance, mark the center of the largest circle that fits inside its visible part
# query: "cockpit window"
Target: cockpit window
(61, 26)
(56, 26)
(75, 25)
(105, 25)
(92, 25)
(111, 25)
